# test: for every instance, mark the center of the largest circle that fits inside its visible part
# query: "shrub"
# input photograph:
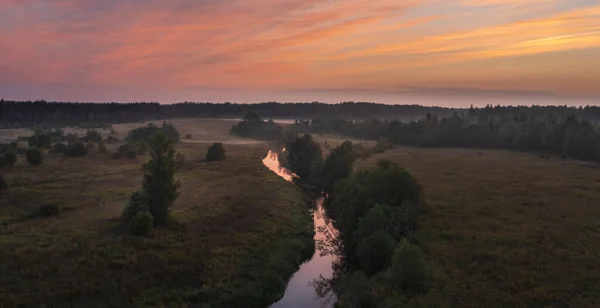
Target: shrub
(215, 152)
(188, 136)
(10, 157)
(3, 183)
(2, 161)
(21, 151)
(102, 148)
(50, 209)
(116, 155)
(60, 147)
(137, 203)
(90, 145)
(34, 156)
(76, 149)
(374, 252)
(141, 223)
(409, 271)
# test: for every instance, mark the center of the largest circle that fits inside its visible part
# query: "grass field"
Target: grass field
(238, 231)
(507, 229)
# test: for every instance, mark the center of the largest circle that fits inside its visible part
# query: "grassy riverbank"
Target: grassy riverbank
(237, 233)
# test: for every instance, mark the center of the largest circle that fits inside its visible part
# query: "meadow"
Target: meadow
(236, 234)
(506, 229)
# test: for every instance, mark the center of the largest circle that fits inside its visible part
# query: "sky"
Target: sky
(431, 52)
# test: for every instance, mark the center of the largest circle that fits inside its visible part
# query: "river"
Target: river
(299, 291)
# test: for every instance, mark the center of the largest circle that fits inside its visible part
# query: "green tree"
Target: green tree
(374, 252)
(304, 155)
(10, 158)
(337, 165)
(215, 152)
(159, 184)
(34, 156)
(409, 272)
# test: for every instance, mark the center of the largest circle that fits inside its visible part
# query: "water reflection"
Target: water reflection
(300, 291)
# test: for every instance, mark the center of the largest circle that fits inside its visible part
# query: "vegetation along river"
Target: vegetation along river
(300, 291)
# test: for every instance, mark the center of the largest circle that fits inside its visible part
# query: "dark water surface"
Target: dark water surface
(299, 291)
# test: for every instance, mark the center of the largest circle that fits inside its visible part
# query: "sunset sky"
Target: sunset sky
(390, 51)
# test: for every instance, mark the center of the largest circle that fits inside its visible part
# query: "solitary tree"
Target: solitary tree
(34, 156)
(159, 185)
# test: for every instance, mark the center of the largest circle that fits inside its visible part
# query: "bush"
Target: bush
(116, 155)
(137, 203)
(60, 147)
(409, 271)
(3, 183)
(102, 148)
(90, 145)
(48, 210)
(141, 223)
(76, 149)
(215, 152)
(2, 161)
(21, 151)
(188, 136)
(34, 156)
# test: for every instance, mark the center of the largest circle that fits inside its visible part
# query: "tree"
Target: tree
(10, 158)
(409, 271)
(215, 152)
(34, 156)
(159, 184)
(304, 155)
(337, 165)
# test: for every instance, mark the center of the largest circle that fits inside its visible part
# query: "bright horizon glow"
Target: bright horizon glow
(430, 52)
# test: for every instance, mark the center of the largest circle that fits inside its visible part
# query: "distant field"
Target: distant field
(237, 234)
(507, 229)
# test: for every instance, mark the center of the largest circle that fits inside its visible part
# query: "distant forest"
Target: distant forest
(28, 113)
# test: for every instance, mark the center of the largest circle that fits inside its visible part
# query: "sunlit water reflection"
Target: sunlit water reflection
(299, 291)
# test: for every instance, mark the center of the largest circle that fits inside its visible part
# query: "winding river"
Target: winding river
(299, 291)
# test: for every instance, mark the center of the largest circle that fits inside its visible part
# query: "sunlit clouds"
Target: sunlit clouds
(176, 50)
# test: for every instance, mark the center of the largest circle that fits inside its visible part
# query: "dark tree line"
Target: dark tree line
(89, 115)
(492, 127)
